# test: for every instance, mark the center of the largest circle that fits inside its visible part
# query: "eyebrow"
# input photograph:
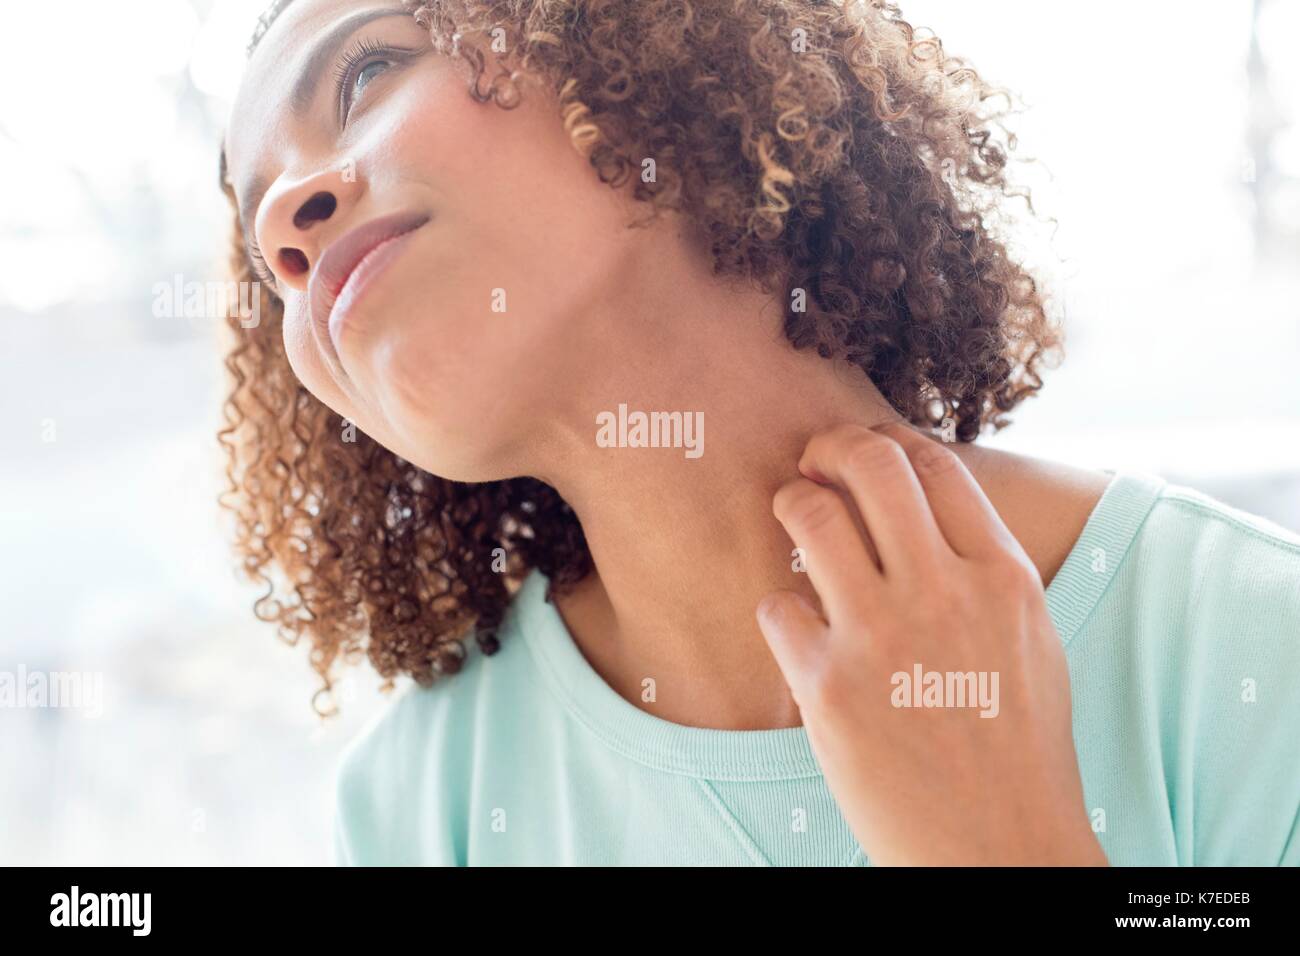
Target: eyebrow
(304, 88)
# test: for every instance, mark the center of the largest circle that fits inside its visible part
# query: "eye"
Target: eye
(367, 73)
(359, 65)
(356, 79)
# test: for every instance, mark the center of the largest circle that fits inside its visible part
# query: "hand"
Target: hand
(937, 585)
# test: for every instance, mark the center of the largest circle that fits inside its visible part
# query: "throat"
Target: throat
(667, 616)
(695, 658)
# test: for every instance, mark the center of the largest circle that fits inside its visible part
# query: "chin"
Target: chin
(443, 430)
(448, 454)
(453, 414)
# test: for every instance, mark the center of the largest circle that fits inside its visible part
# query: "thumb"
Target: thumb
(795, 633)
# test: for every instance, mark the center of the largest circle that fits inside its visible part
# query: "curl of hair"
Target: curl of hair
(823, 150)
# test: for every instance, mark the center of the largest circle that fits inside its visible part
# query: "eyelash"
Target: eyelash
(356, 58)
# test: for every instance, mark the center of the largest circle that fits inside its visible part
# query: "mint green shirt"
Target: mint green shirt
(1180, 618)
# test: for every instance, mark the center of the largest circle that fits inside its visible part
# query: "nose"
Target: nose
(293, 223)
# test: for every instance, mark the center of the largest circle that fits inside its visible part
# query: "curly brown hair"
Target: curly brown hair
(824, 150)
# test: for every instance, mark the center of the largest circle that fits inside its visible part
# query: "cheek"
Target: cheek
(510, 190)
(524, 231)
(468, 347)
(305, 358)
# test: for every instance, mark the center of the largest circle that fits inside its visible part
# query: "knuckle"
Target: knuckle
(934, 459)
(1015, 573)
(844, 432)
(824, 691)
(806, 506)
(872, 454)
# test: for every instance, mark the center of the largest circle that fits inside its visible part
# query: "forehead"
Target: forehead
(274, 67)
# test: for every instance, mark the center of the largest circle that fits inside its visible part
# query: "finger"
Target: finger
(878, 475)
(857, 522)
(966, 517)
(796, 634)
(819, 522)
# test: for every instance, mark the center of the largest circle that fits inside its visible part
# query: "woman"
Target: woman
(516, 256)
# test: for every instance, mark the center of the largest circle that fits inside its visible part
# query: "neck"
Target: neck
(684, 547)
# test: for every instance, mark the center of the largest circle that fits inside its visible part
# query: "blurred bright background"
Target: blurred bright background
(1169, 140)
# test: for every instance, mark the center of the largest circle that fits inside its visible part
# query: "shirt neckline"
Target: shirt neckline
(786, 753)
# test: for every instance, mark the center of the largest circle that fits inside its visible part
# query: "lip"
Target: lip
(336, 274)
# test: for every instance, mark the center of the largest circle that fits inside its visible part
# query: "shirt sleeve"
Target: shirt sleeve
(392, 804)
(1235, 749)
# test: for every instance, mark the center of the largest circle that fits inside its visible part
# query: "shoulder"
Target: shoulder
(397, 739)
(388, 783)
(401, 783)
(1209, 600)
(1234, 565)
(1227, 584)
(1185, 564)
(1192, 504)
(1044, 504)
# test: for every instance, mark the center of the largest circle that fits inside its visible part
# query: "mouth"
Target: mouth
(350, 264)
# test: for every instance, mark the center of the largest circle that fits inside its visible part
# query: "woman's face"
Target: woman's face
(437, 257)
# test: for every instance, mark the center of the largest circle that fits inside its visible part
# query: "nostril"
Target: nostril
(293, 261)
(319, 207)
